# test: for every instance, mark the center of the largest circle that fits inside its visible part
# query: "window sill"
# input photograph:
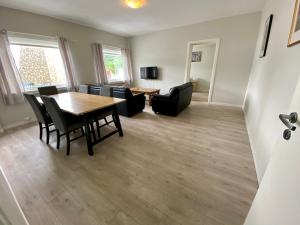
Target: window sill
(116, 83)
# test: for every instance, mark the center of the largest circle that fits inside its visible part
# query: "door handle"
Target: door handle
(288, 121)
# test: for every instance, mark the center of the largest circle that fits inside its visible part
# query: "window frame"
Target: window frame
(16, 39)
(114, 49)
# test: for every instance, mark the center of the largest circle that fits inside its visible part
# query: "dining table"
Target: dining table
(87, 106)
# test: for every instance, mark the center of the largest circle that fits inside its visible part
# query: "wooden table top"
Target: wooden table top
(79, 103)
(145, 90)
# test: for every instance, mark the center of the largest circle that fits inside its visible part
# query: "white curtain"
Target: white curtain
(99, 64)
(127, 66)
(11, 87)
(66, 55)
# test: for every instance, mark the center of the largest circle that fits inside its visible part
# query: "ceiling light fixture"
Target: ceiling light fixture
(135, 4)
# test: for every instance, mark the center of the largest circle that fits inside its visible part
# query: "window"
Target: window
(38, 61)
(113, 65)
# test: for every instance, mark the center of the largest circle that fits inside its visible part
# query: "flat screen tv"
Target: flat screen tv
(149, 72)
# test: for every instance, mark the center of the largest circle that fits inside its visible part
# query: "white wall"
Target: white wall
(202, 71)
(80, 38)
(167, 50)
(272, 83)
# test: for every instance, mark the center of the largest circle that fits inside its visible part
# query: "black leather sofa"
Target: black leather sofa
(133, 104)
(173, 103)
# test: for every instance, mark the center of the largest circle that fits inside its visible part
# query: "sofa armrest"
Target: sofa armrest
(139, 95)
(162, 97)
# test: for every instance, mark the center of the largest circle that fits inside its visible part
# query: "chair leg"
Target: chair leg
(117, 122)
(68, 143)
(93, 131)
(98, 127)
(57, 139)
(82, 131)
(105, 120)
(48, 134)
(41, 130)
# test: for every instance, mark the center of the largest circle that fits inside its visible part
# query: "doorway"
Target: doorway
(201, 65)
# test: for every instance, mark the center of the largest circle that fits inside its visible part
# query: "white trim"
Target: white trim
(32, 40)
(215, 41)
(121, 82)
(33, 36)
(110, 47)
(7, 189)
(226, 104)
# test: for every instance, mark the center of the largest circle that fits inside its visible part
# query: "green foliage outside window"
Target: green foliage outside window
(113, 63)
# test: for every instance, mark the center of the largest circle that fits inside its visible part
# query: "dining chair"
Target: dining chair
(96, 116)
(84, 88)
(64, 123)
(49, 90)
(42, 116)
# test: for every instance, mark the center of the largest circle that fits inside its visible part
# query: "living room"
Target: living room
(112, 131)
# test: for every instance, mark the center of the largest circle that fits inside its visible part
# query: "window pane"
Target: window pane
(39, 66)
(113, 65)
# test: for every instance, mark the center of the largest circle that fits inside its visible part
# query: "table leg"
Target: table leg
(88, 136)
(117, 121)
(150, 99)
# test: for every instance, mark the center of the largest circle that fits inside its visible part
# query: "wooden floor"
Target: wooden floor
(195, 169)
(200, 96)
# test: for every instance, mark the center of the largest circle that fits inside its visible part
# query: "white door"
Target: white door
(277, 201)
(10, 211)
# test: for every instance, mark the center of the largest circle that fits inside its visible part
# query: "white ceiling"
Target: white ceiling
(113, 16)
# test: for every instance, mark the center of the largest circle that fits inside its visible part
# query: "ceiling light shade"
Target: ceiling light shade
(135, 4)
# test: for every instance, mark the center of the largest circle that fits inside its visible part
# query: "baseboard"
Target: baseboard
(252, 148)
(226, 104)
(17, 124)
(201, 91)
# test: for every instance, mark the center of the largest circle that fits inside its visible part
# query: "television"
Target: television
(149, 72)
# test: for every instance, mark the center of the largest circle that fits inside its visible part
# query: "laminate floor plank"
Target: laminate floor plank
(193, 169)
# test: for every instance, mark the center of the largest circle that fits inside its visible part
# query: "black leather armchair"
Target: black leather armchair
(134, 103)
(173, 103)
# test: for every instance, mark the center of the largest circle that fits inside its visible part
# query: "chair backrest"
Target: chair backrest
(38, 110)
(106, 91)
(84, 88)
(49, 90)
(55, 113)
(122, 92)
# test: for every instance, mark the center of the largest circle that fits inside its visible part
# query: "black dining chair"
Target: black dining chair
(97, 116)
(42, 116)
(64, 123)
(49, 90)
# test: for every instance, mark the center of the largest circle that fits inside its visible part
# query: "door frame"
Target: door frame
(190, 45)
